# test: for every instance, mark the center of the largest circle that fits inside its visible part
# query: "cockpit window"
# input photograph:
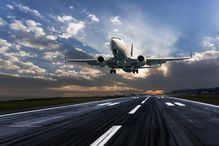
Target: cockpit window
(117, 38)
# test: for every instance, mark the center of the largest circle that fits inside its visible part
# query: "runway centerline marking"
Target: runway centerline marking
(102, 140)
(135, 109)
(179, 104)
(144, 100)
(169, 104)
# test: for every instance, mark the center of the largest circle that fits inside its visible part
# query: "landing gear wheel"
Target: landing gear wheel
(112, 71)
(135, 71)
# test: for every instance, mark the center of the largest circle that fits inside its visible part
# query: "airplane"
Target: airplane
(122, 59)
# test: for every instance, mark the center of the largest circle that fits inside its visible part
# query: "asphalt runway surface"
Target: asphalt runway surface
(129, 121)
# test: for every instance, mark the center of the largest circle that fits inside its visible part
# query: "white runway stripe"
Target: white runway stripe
(144, 100)
(169, 104)
(106, 103)
(179, 104)
(196, 102)
(115, 103)
(102, 140)
(135, 109)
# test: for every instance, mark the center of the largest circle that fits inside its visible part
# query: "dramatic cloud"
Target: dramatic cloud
(29, 67)
(31, 34)
(4, 45)
(93, 17)
(8, 65)
(14, 61)
(201, 72)
(65, 18)
(18, 25)
(50, 56)
(81, 91)
(73, 26)
(9, 6)
(115, 20)
(149, 38)
(34, 39)
(2, 22)
(211, 43)
(27, 9)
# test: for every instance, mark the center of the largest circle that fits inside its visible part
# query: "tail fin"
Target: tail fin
(65, 56)
(132, 50)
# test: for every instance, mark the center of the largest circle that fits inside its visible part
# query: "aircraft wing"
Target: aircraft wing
(154, 61)
(88, 61)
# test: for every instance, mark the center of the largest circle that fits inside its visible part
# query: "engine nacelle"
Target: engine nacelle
(140, 58)
(101, 59)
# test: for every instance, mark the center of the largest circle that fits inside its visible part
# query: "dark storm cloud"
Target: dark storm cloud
(23, 87)
(181, 75)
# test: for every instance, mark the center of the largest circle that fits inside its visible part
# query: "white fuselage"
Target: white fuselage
(119, 48)
(121, 54)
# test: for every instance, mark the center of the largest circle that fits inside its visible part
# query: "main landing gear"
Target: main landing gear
(112, 71)
(135, 71)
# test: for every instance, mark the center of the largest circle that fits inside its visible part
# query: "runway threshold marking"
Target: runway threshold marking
(169, 104)
(135, 109)
(144, 100)
(102, 140)
(179, 104)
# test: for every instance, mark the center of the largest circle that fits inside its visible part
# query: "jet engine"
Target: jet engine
(140, 58)
(101, 59)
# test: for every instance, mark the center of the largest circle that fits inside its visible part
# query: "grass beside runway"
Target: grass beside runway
(206, 98)
(7, 106)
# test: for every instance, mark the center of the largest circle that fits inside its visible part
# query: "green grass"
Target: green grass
(207, 98)
(37, 103)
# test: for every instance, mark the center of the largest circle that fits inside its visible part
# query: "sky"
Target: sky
(35, 35)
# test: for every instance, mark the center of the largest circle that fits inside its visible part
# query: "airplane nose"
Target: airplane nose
(113, 43)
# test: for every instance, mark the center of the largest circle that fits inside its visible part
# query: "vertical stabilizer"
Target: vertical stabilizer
(132, 50)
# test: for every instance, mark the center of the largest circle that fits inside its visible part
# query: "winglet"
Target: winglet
(132, 50)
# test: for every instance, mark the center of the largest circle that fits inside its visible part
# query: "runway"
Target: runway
(129, 121)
